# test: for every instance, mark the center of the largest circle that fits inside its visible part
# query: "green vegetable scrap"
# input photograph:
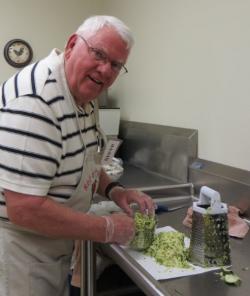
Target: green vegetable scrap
(229, 277)
(168, 249)
(144, 231)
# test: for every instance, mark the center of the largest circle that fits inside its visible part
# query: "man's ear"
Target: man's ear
(70, 45)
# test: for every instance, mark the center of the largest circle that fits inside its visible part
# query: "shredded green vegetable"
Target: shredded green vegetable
(169, 250)
(143, 222)
(144, 231)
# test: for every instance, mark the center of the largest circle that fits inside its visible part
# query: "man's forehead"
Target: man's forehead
(105, 33)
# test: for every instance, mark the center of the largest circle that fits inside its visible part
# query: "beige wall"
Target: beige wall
(190, 66)
(44, 24)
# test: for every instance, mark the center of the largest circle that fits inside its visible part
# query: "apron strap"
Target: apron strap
(99, 129)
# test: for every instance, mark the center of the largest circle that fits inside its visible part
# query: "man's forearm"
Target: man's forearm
(104, 181)
(45, 216)
(106, 185)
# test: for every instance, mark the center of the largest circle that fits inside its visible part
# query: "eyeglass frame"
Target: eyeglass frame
(104, 57)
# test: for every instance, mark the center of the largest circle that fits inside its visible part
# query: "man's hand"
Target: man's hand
(125, 197)
(120, 228)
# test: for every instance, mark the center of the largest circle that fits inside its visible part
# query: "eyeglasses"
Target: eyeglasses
(100, 55)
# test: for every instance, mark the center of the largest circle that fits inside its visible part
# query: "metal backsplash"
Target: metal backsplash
(233, 184)
(161, 149)
(172, 152)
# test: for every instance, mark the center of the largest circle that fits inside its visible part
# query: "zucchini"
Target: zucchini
(229, 277)
(232, 279)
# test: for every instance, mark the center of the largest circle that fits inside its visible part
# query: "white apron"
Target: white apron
(34, 265)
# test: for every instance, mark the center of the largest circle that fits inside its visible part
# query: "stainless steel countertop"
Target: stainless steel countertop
(210, 283)
(207, 283)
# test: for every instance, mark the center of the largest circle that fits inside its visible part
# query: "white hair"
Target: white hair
(94, 23)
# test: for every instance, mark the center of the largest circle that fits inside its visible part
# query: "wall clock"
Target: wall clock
(18, 53)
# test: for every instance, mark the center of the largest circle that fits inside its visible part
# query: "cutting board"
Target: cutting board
(160, 272)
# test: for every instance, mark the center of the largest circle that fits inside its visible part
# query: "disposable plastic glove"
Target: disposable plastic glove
(124, 197)
(120, 229)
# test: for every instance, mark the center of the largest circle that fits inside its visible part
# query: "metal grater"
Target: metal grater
(209, 244)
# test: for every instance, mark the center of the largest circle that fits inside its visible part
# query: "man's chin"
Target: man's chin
(83, 99)
(92, 97)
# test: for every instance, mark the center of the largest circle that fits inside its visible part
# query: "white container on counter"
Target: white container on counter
(110, 120)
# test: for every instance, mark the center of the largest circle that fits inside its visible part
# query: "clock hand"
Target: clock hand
(19, 52)
(16, 52)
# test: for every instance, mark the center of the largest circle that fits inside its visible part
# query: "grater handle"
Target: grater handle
(209, 202)
(208, 196)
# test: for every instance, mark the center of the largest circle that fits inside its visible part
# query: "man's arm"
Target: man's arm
(45, 216)
(104, 181)
(123, 197)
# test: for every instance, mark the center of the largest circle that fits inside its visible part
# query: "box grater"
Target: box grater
(209, 244)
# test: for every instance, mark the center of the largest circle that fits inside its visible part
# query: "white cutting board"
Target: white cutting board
(160, 272)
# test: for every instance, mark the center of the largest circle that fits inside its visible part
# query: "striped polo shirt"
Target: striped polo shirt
(41, 149)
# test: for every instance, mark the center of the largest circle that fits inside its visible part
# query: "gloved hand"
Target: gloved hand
(124, 197)
(120, 228)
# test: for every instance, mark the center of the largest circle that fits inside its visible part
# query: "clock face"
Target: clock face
(18, 53)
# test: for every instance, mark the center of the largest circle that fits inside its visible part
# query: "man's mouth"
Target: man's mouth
(95, 80)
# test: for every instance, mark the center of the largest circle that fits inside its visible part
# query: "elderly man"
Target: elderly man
(50, 161)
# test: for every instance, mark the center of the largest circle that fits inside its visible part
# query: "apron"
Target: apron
(40, 265)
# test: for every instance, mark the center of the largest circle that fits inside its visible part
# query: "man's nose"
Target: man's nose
(106, 66)
(106, 70)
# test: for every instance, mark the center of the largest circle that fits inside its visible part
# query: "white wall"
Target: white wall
(190, 66)
(44, 24)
